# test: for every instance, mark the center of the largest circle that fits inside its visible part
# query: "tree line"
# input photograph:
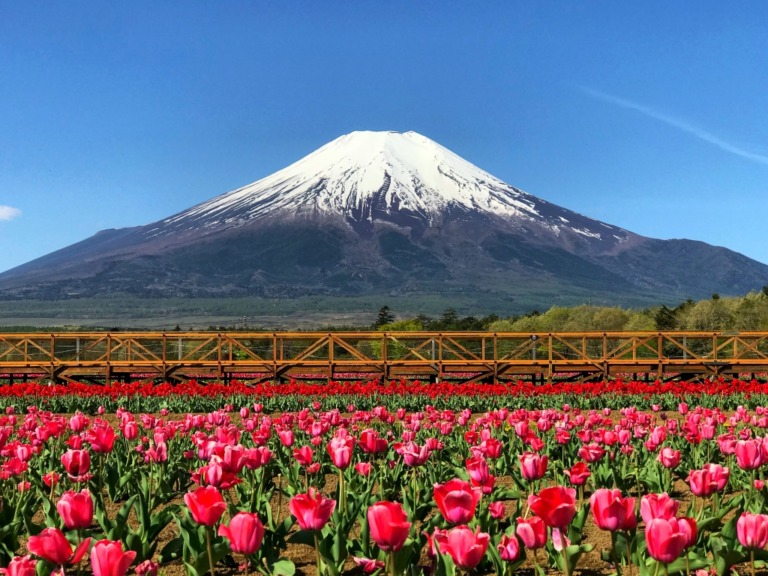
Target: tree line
(748, 312)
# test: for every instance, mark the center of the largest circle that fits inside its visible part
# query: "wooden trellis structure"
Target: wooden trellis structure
(463, 356)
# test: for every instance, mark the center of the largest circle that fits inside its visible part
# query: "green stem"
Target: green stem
(567, 568)
(320, 566)
(210, 553)
(392, 563)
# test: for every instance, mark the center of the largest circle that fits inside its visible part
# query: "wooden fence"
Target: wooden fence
(462, 356)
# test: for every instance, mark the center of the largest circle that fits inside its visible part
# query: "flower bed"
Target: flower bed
(635, 489)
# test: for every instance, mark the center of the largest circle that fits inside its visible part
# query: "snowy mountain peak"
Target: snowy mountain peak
(402, 178)
(364, 174)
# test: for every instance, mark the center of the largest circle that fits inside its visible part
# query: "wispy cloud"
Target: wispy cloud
(9, 213)
(680, 124)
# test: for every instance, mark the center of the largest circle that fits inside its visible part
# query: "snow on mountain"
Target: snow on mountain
(367, 176)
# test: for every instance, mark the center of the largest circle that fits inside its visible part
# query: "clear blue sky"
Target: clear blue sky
(649, 115)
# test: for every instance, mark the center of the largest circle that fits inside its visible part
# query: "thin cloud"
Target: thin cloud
(9, 213)
(699, 133)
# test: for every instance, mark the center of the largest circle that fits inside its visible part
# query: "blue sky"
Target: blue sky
(648, 115)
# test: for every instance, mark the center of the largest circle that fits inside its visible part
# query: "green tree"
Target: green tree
(384, 316)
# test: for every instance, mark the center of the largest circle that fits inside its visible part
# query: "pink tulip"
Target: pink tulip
(509, 548)
(466, 548)
(76, 509)
(658, 506)
(311, 509)
(752, 530)
(456, 500)
(748, 454)
(108, 558)
(480, 474)
(245, 533)
(612, 511)
(76, 462)
(665, 539)
(669, 457)
(533, 465)
(533, 532)
(340, 450)
(20, 566)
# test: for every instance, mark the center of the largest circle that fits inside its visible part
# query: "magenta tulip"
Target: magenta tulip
(465, 547)
(52, 545)
(533, 466)
(312, 510)
(76, 509)
(456, 500)
(533, 532)
(665, 539)
(108, 558)
(20, 566)
(245, 533)
(612, 511)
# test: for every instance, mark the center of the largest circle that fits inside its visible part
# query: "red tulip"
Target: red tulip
(612, 511)
(752, 530)
(371, 442)
(665, 539)
(76, 509)
(206, 505)
(465, 547)
(555, 505)
(101, 437)
(710, 479)
(658, 506)
(456, 500)
(533, 465)
(312, 510)
(52, 545)
(389, 525)
(303, 455)
(245, 532)
(533, 532)
(20, 566)
(578, 474)
(108, 558)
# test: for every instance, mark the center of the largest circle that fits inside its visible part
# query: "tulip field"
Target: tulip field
(405, 478)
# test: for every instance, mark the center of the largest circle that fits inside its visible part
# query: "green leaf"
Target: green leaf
(282, 567)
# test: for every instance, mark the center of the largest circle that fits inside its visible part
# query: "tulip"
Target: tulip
(108, 558)
(340, 450)
(76, 509)
(245, 533)
(748, 454)
(480, 474)
(389, 526)
(665, 539)
(555, 505)
(52, 545)
(497, 510)
(465, 547)
(456, 500)
(612, 511)
(658, 506)
(669, 457)
(509, 548)
(533, 532)
(752, 530)
(76, 463)
(20, 566)
(312, 510)
(578, 474)
(206, 505)
(147, 568)
(533, 465)
(303, 455)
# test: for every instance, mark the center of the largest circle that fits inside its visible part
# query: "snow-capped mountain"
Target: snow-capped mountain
(365, 177)
(385, 213)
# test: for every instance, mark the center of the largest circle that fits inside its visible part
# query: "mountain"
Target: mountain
(385, 213)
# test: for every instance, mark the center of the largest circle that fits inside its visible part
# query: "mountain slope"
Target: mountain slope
(384, 213)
